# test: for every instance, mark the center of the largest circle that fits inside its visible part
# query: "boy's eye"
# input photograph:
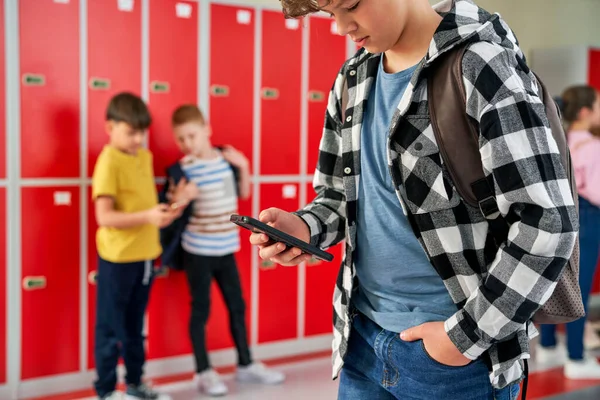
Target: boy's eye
(354, 6)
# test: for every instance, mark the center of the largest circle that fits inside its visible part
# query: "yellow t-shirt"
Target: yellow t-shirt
(129, 180)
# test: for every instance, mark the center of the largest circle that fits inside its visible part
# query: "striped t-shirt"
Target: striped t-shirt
(209, 231)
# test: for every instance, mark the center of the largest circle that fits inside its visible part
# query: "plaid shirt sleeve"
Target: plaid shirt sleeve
(532, 192)
(326, 214)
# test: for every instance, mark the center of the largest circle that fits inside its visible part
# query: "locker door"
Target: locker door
(114, 63)
(232, 83)
(280, 94)
(173, 81)
(594, 68)
(50, 281)
(49, 54)
(217, 329)
(320, 282)
(2, 97)
(173, 72)
(278, 286)
(3, 299)
(327, 55)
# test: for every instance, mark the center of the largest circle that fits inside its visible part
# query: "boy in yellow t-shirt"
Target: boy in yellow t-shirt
(129, 218)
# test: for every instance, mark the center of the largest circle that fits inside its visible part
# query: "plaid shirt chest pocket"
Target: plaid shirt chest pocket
(427, 184)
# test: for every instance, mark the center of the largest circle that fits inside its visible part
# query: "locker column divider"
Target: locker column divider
(13, 248)
(83, 204)
(304, 87)
(145, 52)
(145, 93)
(204, 56)
(255, 286)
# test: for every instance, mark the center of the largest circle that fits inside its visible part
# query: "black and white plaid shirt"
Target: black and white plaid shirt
(496, 289)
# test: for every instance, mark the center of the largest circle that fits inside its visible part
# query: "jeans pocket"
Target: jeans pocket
(437, 363)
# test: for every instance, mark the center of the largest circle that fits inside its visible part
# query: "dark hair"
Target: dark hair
(129, 108)
(300, 8)
(574, 99)
(187, 113)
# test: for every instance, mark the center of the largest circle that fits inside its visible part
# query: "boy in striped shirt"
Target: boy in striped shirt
(203, 241)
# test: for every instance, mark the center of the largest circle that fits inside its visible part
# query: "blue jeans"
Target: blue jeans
(380, 366)
(589, 242)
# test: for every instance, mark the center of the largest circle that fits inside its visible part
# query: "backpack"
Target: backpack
(457, 138)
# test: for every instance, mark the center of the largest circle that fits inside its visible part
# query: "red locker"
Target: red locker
(232, 78)
(49, 59)
(320, 282)
(278, 286)
(217, 329)
(3, 277)
(50, 281)
(114, 63)
(594, 68)
(2, 97)
(327, 55)
(280, 94)
(173, 81)
(173, 72)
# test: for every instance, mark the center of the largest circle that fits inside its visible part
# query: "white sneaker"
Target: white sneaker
(257, 372)
(210, 383)
(550, 356)
(588, 368)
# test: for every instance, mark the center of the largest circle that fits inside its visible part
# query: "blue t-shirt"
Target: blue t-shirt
(398, 288)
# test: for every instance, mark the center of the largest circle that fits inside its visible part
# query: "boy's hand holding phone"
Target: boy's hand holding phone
(276, 252)
(161, 215)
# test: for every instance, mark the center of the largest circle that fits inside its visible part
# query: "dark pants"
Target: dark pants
(589, 243)
(122, 297)
(200, 270)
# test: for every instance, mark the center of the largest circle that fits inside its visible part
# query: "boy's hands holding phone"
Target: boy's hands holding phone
(276, 252)
(161, 215)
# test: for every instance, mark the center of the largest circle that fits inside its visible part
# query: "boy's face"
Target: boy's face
(375, 25)
(124, 137)
(192, 137)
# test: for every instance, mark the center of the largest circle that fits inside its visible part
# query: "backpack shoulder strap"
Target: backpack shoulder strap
(458, 138)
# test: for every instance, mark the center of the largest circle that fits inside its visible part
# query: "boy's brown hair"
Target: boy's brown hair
(187, 113)
(129, 108)
(300, 8)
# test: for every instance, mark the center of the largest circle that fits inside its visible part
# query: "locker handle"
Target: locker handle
(269, 93)
(219, 90)
(316, 96)
(160, 87)
(313, 261)
(93, 277)
(99, 83)
(34, 80)
(267, 265)
(34, 283)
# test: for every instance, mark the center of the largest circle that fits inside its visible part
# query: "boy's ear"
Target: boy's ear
(108, 127)
(208, 130)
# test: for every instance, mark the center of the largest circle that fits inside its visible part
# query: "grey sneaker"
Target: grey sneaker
(144, 392)
(111, 396)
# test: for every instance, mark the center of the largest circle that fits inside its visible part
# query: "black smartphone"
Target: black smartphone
(276, 235)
